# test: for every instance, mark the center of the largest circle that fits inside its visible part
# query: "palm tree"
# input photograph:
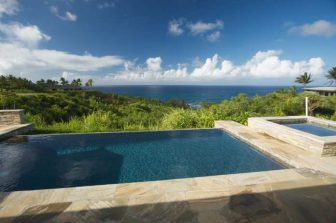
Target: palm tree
(76, 83)
(79, 82)
(63, 81)
(332, 76)
(304, 79)
(89, 83)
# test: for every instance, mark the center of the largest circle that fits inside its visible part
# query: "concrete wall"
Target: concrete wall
(11, 117)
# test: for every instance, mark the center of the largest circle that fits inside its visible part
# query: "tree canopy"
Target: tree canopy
(304, 79)
(331, 76)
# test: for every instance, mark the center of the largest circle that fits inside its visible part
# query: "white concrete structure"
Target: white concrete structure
(272, 126)
(323, 91)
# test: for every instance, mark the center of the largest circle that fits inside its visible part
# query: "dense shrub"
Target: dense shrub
(180, 119)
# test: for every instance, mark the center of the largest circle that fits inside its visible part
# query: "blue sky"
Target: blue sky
(255, 42)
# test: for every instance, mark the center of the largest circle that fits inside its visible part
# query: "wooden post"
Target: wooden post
(306, 103)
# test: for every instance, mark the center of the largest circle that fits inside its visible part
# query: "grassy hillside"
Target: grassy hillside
(86, 111)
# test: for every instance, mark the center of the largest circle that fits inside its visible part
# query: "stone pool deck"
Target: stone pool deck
(292, 195)
(304, 192)
(7, 131)
(284, 152)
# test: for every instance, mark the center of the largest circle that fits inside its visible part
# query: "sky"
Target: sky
(132, 42)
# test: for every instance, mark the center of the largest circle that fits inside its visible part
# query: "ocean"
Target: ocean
(193, 95)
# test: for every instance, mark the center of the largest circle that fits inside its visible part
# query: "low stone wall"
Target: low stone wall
(11, 117)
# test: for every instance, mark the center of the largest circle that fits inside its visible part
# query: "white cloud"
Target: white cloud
(154, 64)
(175, 27)
(263, 65)
(105, 5)
(317, 28)
(8, 7)
(20, 54)
(29, 36)
(209, 31)
(68, 16)
(202, 27)
(17, 59)
(268, 64)
(54, 10)
(214, 37)
(71, 76)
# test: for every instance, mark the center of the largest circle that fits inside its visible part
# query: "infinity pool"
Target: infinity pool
(313, 129)
(58, 161)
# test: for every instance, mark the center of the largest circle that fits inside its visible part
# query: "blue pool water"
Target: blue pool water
(57, 161)
(313, 129)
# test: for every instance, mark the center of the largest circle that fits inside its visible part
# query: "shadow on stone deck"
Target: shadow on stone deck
(310, 202)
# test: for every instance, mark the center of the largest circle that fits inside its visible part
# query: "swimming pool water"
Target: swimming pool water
(313, 129)
(57, 161)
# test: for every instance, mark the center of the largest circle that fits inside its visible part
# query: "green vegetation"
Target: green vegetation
(11, 83)
(304, 79)
(86, 111)
(331, 76)
(92, 111)
(89, 83)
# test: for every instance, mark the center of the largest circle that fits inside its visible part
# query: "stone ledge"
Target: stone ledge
(8, 131)
(286, 153)
(320, 145)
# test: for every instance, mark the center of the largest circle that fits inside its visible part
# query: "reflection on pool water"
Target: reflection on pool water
(57, 161)
(313, 129)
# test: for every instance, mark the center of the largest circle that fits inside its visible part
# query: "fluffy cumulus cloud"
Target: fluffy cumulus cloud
(154, 64)
(268, 64)
(29, 36)
(18, 59)
(264, 64)
(317, 28)
(8, 7)
(20, 52)
(210, 31)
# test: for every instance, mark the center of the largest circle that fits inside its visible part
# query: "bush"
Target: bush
(180, 119)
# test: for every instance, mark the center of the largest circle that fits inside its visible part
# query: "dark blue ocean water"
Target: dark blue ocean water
(313, 129)
(190, 93)
(58, 161)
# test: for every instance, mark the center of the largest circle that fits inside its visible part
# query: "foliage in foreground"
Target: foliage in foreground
(97, 112)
